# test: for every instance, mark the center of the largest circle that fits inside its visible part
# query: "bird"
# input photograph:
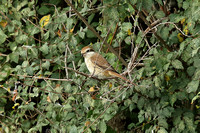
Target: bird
(98, 66)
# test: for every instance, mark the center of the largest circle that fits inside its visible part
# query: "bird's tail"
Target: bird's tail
(120, 76)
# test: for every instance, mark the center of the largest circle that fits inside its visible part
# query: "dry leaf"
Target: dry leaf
(48, 99)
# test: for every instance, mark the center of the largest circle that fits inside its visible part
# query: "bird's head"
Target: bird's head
(86, 51)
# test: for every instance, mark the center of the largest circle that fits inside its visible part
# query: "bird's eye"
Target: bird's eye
(88, 50)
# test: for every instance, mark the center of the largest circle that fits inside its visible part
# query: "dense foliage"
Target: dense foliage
(44, 83)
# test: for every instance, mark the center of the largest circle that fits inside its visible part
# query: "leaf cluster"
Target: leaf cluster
(44, 82)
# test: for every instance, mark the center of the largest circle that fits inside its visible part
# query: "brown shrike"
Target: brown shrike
(98, 65)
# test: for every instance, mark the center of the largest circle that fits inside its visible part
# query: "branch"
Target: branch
(150, 26)
(96, 33)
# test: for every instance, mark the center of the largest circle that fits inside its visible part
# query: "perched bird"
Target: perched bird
(98, 65)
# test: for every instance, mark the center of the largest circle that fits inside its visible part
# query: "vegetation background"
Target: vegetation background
(44, 83)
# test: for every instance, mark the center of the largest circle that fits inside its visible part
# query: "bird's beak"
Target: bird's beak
(83, 54)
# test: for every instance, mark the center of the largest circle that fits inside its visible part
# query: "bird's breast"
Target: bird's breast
(95, 70)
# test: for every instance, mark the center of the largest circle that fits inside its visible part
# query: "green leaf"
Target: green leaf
(102, 126)
(177, 64)
(193, 86)
(67, 106)
(181, 126)
(2, 36)
(90, 34)
(157, 82)
(43, 10)
(191, 70)
(44, 49)
(46, 65)
(140, 103)
(141, 116)
(162, 122)
(21, 39)
(36, 92)
(73, 129)
(14, 57)
(81, 34)
(29, 70)
(197, 62)
(162, 130)
(69, 23)
(173, 99)
(28, 106)
(126, 26)
(90, 18)
(159, 14)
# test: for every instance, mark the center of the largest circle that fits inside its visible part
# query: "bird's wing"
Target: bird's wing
(101, 62)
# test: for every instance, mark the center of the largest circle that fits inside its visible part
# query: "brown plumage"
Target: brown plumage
(98, 65)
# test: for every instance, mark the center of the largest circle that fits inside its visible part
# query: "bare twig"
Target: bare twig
(149, 25)
(1, 54)
(163, 23)
(73, 63)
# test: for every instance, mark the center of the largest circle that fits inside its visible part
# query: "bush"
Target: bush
(44, 82)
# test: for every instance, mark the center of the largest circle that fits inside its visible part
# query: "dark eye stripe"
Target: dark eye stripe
(89, 50)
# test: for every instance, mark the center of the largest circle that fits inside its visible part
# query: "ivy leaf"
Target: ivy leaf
(73, 129)
(21, 38)
(29, 70)
(14, 57)
(28, 106)
(81, 34)
(126, 26)
(45, 49)
(173, 99)
(193, 86)
(102, 126)
(197, 63)
(162, 130)
(159, 14)
(43, 10)
(46, 65)
(157, 81)
(177, 64)
(2, 36)
(181, 126)
(140, 103)
(67, 106)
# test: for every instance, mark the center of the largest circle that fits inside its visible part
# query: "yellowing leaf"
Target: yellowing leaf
(180, 37)
(129, 32)
(110, 85)
(185, 30)
(3, 23)
(91, 89)
(48, 99)
(87, 123)
(44, 20)
(167, 78)
(40, 76)
(58, 33)
(197, 106)
(71, 31)
(16, 104)
(182, 21)
(8, 89)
